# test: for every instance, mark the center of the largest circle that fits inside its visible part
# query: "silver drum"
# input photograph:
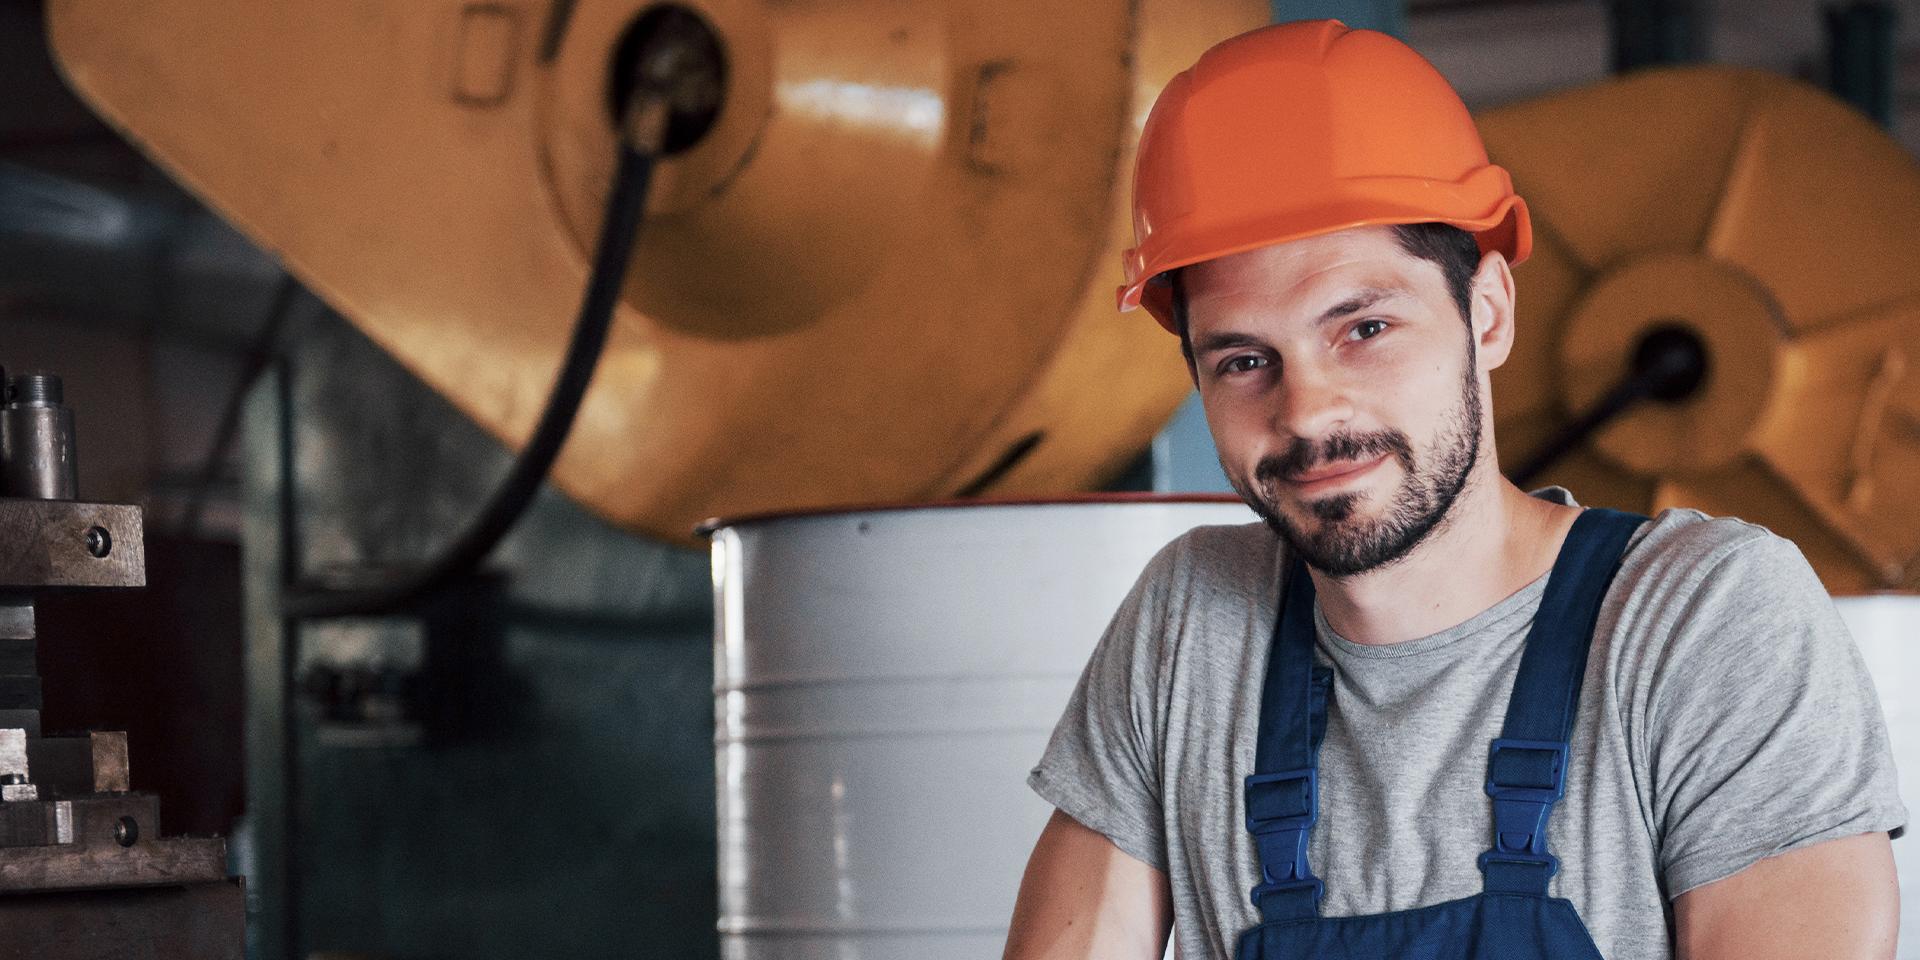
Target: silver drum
(883, 682)
(1887, 628)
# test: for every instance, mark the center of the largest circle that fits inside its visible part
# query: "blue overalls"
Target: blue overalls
(1512, 918)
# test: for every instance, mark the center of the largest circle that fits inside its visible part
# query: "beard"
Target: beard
(1341, 544)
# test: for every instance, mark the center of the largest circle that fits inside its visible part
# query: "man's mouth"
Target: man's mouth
(1332, 474)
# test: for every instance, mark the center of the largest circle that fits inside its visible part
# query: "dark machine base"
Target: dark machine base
(200, 921)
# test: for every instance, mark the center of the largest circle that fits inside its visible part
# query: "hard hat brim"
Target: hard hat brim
(1506, 227)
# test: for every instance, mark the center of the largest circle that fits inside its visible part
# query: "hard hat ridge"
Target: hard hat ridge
(1299, 129)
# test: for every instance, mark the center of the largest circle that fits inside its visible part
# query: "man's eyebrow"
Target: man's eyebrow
(1361, 300)
(1225, 340)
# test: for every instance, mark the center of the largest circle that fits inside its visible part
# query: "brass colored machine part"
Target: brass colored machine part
(1778, 227)
(885, 272)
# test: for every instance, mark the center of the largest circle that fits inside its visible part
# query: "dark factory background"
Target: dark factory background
(523, 767)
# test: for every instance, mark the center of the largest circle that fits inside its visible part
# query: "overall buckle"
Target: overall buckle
(1518, 872)
(1289, 800)
(1530, 770)
(1281, 811)
(1302, 906)
(1525, 778)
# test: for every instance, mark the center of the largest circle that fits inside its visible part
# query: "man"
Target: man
(1419, 712)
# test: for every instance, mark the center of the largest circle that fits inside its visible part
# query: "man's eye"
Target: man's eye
(1243, 364)
(1367, 330)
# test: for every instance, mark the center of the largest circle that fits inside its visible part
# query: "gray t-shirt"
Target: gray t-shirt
(1725, 716)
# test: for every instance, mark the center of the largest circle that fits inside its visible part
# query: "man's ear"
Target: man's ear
(1490, 302)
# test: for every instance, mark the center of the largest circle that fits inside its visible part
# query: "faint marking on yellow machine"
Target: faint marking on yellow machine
(885, 272)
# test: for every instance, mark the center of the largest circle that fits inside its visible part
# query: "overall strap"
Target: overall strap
(1282, 794)
(1527, 767)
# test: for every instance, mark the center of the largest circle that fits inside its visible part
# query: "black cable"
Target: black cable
(1670, 364)
(1623, 396)
(258, 358)
(626, 206)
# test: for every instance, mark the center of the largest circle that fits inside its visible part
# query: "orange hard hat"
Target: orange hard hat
(1304, 128)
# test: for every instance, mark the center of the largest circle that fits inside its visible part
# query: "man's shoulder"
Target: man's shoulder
(1688, 573)
(1684, 544)
(1682, 540)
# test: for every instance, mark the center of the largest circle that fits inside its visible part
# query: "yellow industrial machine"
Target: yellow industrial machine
(885, 273)
(1776, 226)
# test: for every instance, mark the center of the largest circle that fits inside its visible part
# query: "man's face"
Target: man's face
(1342, 389)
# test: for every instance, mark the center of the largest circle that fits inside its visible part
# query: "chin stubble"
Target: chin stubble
(1345, 546)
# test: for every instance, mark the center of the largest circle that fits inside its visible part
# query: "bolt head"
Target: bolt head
(99, 542)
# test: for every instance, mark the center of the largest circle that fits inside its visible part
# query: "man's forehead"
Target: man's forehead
(1305, 255)
(1359, 262)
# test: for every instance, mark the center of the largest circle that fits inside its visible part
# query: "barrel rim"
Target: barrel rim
(714, 525)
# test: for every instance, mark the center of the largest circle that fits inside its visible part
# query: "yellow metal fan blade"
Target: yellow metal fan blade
(1778, 226)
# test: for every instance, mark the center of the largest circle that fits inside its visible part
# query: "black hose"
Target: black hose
(1623, 396)
(626, 207)
(1670, 364)
(259, 357)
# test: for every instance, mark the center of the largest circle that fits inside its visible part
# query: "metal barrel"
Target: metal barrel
(1884, 627)
(884, 680)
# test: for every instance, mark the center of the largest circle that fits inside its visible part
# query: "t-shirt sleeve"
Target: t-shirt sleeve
(1101, 766)
(1764, 731)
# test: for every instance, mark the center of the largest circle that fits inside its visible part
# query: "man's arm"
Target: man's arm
(1083, 898)
(1836, 899)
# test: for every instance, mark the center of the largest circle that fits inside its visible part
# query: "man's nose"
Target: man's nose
(1313, 402)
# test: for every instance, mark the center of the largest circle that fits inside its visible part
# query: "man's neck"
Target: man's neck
(1495, 540)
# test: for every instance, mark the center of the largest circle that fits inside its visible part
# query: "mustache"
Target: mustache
(1303, 454)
